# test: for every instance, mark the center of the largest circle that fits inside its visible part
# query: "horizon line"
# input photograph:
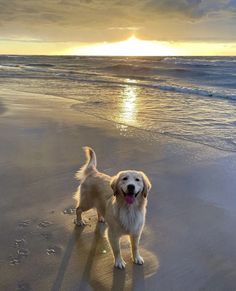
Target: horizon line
(112, 56)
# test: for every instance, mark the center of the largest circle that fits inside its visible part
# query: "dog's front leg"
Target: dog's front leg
(135, 249)
(114, 240)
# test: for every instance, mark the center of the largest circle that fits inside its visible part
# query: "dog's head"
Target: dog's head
(130, 185)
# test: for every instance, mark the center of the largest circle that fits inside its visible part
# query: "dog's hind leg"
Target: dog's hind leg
(79, 220)
(82, 207)
(100, 217)
(100, 212)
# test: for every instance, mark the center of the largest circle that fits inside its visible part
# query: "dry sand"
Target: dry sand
(189, 241)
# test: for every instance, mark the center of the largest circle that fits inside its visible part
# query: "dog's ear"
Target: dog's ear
(146, 185)
(114, 182)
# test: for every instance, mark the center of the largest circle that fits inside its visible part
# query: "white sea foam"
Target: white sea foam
(192, 61)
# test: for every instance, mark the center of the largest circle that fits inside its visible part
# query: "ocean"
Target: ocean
(189, 98)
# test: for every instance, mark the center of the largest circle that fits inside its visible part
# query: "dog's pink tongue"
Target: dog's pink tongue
(129, 199)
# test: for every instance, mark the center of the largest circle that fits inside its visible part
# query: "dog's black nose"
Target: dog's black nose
(130, 188)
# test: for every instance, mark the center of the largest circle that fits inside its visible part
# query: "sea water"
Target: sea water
(191, 98)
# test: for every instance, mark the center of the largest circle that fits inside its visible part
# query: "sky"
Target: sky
(172, 27)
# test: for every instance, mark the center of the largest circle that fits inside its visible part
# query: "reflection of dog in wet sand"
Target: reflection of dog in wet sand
(120, 200)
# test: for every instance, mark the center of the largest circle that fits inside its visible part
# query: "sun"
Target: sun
(130, 47)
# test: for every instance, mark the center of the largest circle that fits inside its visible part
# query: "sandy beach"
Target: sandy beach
(188, 243)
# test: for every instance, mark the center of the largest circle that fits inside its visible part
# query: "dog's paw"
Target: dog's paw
(101, 219)
(138, 260)
(79, 222)
(120, 263)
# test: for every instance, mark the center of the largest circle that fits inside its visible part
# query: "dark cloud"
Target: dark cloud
(112, 20)
(190, 8)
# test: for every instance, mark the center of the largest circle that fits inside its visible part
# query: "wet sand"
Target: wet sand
(188, 243)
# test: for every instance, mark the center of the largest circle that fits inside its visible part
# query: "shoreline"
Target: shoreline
(72, 103)
(187, 240)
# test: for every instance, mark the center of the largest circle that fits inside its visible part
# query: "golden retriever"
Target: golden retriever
(120, 201)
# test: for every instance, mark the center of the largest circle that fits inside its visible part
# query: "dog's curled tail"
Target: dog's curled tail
(90, 165)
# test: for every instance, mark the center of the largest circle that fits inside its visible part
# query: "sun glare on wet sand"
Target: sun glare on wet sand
(130, 47)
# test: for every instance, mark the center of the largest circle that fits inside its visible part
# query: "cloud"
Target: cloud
(191, 9)
(113, 20)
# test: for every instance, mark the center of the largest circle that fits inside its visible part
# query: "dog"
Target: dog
(119, 200)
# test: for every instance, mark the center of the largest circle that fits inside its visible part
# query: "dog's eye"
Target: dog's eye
(125, 178)
(137, 179)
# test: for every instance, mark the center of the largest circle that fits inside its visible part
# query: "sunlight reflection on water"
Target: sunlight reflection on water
(129, 103)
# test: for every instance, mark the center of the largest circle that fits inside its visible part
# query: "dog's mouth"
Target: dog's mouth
(129, 196)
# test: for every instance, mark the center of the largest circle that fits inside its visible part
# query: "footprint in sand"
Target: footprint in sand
(21, 252)
(46, 235)
(24, 223)
(44, 224)
(51, 251)
(23, 286)
(19, 242)
(14, 261)
(69, 210)
(54, 250)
